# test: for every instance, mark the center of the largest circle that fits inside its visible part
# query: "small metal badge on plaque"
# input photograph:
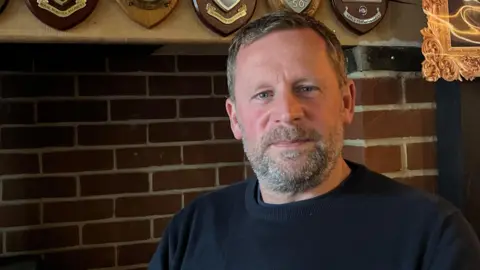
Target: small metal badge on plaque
(224, 16)
(61, 14)
(3, 4)
(360, 16)
(300, 6)
(147, 13)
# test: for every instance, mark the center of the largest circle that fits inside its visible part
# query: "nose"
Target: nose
(288, 108)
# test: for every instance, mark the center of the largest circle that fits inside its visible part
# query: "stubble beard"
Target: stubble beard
(295, 170)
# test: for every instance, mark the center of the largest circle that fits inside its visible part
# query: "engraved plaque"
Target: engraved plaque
(224, 16)
(61, 14)
(360, 16)
(147, 13)
(300, 6)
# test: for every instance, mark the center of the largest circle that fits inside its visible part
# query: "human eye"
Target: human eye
(262, 95)
(306, 89)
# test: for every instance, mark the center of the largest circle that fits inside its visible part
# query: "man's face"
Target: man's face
(289, 110)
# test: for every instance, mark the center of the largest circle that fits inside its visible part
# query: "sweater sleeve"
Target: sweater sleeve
(455, 247)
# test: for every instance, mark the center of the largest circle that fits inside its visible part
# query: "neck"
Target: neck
(339, 172)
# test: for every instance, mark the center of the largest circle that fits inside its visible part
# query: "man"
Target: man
(307, 207)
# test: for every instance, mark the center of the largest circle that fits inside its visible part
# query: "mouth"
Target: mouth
(292, 143)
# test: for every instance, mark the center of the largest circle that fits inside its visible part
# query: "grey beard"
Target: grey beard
(277, 177)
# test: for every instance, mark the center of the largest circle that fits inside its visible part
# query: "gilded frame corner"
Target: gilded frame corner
(442, 60)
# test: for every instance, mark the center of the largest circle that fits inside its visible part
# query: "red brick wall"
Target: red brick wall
(394, 127)
(97, 154)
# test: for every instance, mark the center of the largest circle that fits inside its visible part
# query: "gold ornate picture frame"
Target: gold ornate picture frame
(451, 40)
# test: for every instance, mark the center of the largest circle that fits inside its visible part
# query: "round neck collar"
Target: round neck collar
(303, 208)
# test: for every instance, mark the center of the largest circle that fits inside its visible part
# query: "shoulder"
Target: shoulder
(220, 201)
(398, 195)
(222, 196)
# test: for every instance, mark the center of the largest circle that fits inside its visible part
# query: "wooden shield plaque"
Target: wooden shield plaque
(360, 16)
(3, 4)
(300, 6)
(224, 16)
(147, 13)
(61, 14)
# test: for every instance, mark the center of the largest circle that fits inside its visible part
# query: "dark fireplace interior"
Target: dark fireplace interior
(458, 145)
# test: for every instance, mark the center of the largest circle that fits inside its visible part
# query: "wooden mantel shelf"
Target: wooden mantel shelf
(108, 24)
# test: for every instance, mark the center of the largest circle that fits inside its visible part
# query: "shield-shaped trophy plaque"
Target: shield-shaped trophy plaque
(3, 4)
(147, 13)
(224, 16)
(300, 6)
(360, 16)
(61, 14)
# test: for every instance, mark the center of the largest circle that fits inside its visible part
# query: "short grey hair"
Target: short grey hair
(284, 20)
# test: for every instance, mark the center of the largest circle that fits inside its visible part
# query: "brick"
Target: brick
(183, 179)
(38, 187)
(77, 161)
(72, 111)
(36, 137)
(231, 174)
(19, 215)
(381, 159)
(39, 239)
(80, 259)
(112, 134)
(69, 63)
(110, 85)
(354, 153)
(422, 156)
(37, 86)
(143, 109)
(426, 183)
(136, 253)
(222, 130)
(16, 62)
(384, 158)
(19, 164)
(179, 85)
(419, 90)
(136, 63)
(203, 107)
(213, 153)
(189, 197)
(16, 113)
(378, 91)
(79, 210)
(190, 63)
(395, 123)
(159, 226)
(112, 232)
(148, 156)
(104, 184)
(148, 205)
(220, 85)
(180, 131)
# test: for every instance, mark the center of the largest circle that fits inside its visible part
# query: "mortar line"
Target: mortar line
(404, 156)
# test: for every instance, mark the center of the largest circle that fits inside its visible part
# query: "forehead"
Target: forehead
(284, 54)
(294, 42)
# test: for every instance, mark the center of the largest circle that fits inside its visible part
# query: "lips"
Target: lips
(291, 143)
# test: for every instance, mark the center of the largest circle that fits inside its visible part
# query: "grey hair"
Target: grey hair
(284, 20)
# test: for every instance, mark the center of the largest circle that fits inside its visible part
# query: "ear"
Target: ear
(232, 114)
(348, 96)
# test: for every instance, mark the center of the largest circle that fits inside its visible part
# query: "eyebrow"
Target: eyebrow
(307, 80)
